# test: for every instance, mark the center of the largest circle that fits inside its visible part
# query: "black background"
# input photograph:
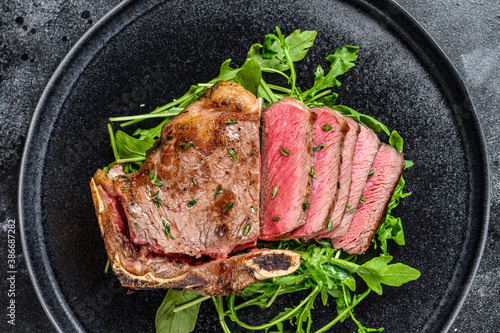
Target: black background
(35, 36)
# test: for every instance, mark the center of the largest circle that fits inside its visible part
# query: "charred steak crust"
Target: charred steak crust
(377, 193)
(175, 222)
(287, 161)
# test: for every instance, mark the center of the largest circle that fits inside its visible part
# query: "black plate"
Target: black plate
(148, 52)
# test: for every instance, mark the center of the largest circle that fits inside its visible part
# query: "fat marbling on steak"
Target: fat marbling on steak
(174, 223)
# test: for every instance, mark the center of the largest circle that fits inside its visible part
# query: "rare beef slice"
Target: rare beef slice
(329, 132)
(287, 166)
(387, 168)
(367, 146)
(344, 184)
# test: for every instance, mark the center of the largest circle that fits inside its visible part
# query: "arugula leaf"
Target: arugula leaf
(249, 76)
(152, 133)
(226, 73)
(271, 55)
(183, 321)
(130, 147)
(341, 61)
(371, 122)
(408, 164)
(299, 43)
(267, 49)
(391, 227)
(396, 141)
(377, 271)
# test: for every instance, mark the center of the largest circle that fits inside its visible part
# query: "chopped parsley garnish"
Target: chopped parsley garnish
(167, 229)
(136, 225)
(231, 121)
(228, 207)
(326, 127)
(338, 185)
(123, 188)
(275, 191)
(361, 200)
(232, 153)
(126, 177)
(156, 199)
(155, 180)
(313, 172)
(254, 208)
(340, 158)
(158, 182)
(305, 205)
(319, 147)
(284, 151)
(194, 181)
(247, 230)
(192, 203)
(330, 225)
(276, 218)
(349, 207)
(186, 145)
(370, 175)
(219, 192)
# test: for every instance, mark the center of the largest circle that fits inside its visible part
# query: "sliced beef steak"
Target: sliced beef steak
(367, 146)
(329, 132)
(287, 160)
(377, 193)
(138, 267)
(192, 197)
(344, 185)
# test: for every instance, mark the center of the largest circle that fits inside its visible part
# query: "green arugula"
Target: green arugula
(168, 321)
(341, 61)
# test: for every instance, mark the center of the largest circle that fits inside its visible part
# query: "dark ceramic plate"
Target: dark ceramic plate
(148, 52)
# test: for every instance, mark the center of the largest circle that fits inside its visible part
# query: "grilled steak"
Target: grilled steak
(138, 267)
(287, 160)
(329, 132)
(378, 190)
(191, 201)
(367, 146)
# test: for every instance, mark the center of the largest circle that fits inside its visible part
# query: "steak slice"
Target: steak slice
(287, 160)
(367, 146)
(139, 267)
(377, 193)
(329, 132)
(350, 140)
(194, 193)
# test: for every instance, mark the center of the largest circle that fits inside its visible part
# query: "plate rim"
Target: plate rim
(375, 9)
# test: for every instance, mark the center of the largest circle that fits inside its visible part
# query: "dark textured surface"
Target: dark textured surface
(468, 32)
